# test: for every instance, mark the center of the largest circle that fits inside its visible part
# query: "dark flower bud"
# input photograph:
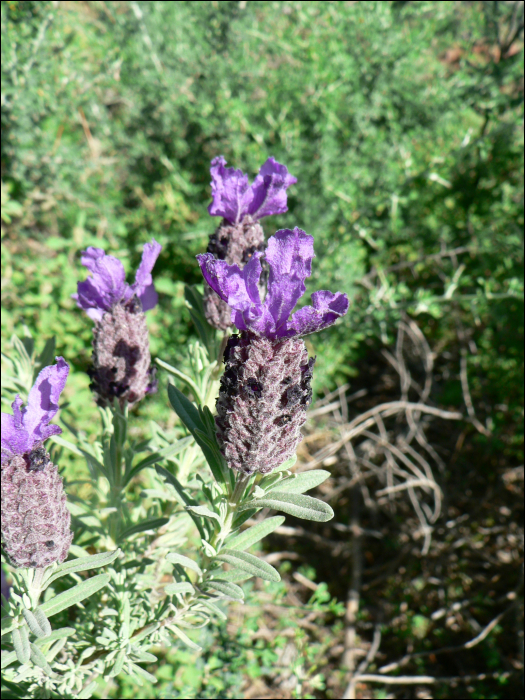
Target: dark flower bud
(262, 403)
(121, 357)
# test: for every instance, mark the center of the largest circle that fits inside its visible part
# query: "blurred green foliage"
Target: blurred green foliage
(402, 121)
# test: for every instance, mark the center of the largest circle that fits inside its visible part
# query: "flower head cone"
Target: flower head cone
(265, 389)
(35, 519)
(240, 234)
(121, 358)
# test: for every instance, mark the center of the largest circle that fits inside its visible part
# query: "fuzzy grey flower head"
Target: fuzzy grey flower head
(265, 389)
(121, 358)
(35, 519)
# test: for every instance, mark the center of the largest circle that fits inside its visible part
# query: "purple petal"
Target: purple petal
(105, 287)
(327, 308)
(90, 256)
(143, 286)
(289, 255)
(229, 188)
(269, 190)
(15, 438)
(238, 288)
(42, 402)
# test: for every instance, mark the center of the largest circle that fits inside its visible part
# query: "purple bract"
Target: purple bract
(234, 198)
(289, 256)
(107, 284)
(29, 425)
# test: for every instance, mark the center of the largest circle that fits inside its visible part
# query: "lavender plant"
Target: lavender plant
(148, 500)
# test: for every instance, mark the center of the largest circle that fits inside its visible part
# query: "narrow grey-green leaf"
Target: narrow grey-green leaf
(211, 607)
(188, 500)
(42, 621)
(299, 483)
(145, 657)
(233, 575)
(188, 563)
(55, 634)
(184, 408)
(8, 659)
(181, 587)
(153, 524)
(184, 638)
(118, 665)
(149, 629)
(8, 624)
(84, 564)
(255, 533)
(204, 511)
(74, 595)
(88, 691)
(21, 644)
(38, 658)
(300, 506)
(227, 589)
(32, 623)
(249, 563)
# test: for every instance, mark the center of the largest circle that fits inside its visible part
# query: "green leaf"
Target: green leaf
(153, 524)
(42, 621)
(182, 587)
(204, 511)
(249, 563)
(188, 563)
(94, 561)
(188, 500)
(233, 575)
(32, 623)
(8, 624)
(300, 506)
(8, 659)
(184, 377)
(253, 534)
(74, 595)
(185, 409)
(299, 483)
(170, 451)
(55, 634)
(38, 658)
(21, 644)
(119, 664)
(184, 638)
(149, 629)
(205, 603)
(226, 588)
(88, 691)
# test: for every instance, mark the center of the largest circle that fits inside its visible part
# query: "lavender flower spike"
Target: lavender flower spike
(121, 357)
(35, 519)
(240, 234)
(265, 389)
(234, 198)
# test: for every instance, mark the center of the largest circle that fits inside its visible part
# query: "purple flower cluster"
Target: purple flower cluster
(289, 256)
(107, 285)
(234, 198)
(265, 389)
(35, 519)
(240, 233)
(121, 357)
